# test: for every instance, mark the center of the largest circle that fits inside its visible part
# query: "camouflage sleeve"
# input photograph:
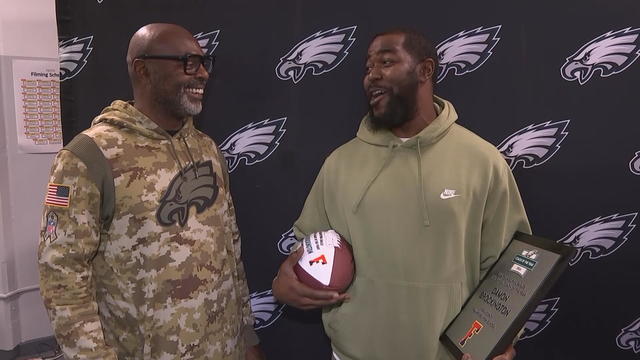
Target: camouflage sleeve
(68, 242)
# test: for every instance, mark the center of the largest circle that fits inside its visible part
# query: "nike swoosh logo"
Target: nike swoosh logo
(448, 194)
(445, 196)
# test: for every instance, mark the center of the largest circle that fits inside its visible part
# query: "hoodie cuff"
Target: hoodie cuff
(250, 336)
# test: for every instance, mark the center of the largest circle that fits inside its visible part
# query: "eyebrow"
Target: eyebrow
(382, 52)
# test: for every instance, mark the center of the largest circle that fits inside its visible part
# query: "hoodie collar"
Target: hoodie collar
(433, 132)
(124, 114)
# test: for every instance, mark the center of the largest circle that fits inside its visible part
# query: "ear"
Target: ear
(426, 69)
(140, 69)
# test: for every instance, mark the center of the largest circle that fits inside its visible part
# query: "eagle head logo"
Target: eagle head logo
(253, 143)
(599, 237)
(318, 53)
(73, 54)
(196, 185)
(266, 309)
(534, 144)
(634, 164)
(629, 338)
(287, 242)
(208, 41)
(609, 53)
(540, 318)
(466, 51)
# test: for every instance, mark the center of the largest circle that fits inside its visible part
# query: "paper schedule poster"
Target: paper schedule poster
(36, 89)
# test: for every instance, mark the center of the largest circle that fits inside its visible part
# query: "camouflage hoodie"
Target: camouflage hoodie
(165, 281)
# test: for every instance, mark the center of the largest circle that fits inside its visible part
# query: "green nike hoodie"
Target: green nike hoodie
(426, 218)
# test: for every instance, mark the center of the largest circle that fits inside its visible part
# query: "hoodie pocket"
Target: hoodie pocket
(393, 320)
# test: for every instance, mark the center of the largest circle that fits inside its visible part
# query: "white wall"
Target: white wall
(27, 31)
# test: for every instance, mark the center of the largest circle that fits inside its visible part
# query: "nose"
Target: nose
(374, 74)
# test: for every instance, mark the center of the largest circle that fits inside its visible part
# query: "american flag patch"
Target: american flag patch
(57, 195)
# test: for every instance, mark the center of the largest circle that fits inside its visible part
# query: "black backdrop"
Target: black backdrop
(571, 136)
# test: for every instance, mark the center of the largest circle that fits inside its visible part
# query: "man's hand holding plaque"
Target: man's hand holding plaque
(505, 298)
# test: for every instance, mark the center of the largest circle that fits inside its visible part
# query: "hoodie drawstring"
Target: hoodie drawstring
(389, 155)
(193, 162)
(174, 152)
(175, 156)
(425, 216)
(366, 187)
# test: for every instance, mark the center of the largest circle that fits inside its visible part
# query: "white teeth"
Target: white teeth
(195, 91)
(377, 92)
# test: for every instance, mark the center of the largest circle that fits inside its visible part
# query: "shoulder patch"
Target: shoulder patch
(49, 233)
(58, 195)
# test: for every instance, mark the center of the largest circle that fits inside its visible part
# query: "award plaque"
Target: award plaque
(499, 307)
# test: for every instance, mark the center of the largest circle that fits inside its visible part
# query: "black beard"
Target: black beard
(400, 108)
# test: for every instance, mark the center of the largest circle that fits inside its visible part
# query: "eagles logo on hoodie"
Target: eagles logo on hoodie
(193, 186)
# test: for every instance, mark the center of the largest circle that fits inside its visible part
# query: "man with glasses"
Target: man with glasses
(158, 274)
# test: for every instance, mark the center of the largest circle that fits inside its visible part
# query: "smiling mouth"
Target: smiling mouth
(197, 92)
(375, 95)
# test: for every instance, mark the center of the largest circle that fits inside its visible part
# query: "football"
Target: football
(327, 262)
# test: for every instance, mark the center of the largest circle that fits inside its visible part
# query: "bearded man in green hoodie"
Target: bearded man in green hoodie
(157, 275)
(426, 204)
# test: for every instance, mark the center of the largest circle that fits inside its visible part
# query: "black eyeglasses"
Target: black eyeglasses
(191, 62)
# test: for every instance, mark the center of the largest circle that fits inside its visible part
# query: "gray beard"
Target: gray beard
(179, 105)
(188, 107)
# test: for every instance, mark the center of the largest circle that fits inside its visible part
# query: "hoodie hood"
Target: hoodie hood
(446, 116)
(123, 114)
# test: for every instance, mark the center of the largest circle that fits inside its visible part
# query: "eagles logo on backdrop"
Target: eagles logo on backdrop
(466, 51)
(253, 143)
(265, 308)
(534, 144)
(287, 242)
(318, 54)
(629, 338)
(600, 237)
(73, 54)
(540, 318)
(208, 41)
(192, 186)
(608, 54)
(634, 164)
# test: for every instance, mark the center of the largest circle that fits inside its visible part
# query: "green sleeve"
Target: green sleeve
(314, 214)
(504, 214)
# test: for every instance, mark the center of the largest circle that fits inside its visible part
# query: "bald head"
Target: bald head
(156, 38)
(163, 88)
